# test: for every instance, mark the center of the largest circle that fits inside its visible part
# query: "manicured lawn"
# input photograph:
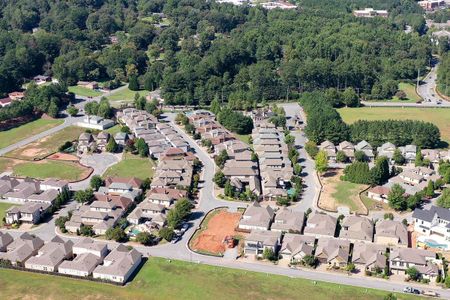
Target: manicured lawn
(126, 95)
(5, 163)
(438, 116)
(243, 137)
(82, 91)
(410, 91)
(17, 134)
(47, 145)
(132, 165)
(3, 208)
(113, 130)
(50, 169)
(346, 192)
(163, 279)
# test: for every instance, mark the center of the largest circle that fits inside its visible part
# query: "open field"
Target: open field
(51, 169)
(216, 226)
(113, 130)
(163, 279)
(14, 135)
(438, 116)
(132, 165)
(3, 208)
(126, 95)
(47, 145)
(82, 91)
(243, 137)
(340, 193)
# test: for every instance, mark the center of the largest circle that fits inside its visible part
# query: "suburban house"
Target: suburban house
(121, 138)
(287, 220)
(387, 149)
(82, 265)
(369, 257)
(370, 13)
(118, 265)
(7, 184)
(23, 190)
(400, 259)
(161, 195)
(21, 249)
(88, 245)
(391, 233)
(356, 228)
(41, 79)
(379, 193)
(5, 240)
(433, 222)
(30, 212)
(320, 225)
(96, 122)
(256, 217)
(102, 140)
(259, 240)
(295, 247)
(86, 143)
(330, 149)
(334, 252)
(51, 255)
(48, 196)
(54, 184)
(92, 85)
(366, 148)
(348, 149)
(148, 211)
(409, 152)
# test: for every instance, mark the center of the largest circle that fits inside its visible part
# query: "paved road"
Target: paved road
(67, 122)
(311, 185)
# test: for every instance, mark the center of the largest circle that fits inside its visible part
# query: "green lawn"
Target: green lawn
(3, 208)
(438, 116)
(243, 137)
(47, 145)
(132, 166)
(5, 163)
(17, 134)
(346, 193)
(50, 169)
(82, 91)
(126, 95)
(409, 89)
(113, 130)
(163, 279)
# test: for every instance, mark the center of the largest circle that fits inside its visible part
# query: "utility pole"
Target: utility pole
(418, 74)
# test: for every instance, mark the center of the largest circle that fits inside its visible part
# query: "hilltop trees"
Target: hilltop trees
(235, 121)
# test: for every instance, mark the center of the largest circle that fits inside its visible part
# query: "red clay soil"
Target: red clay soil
(63, 156)
(219, 226)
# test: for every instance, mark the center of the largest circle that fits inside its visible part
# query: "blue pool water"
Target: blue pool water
(433, 244)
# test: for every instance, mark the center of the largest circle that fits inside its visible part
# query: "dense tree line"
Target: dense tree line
(400, 133)
(443, 75)
(235, 121)
(237, 54)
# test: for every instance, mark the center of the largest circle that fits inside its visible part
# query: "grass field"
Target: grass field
(5, 163)
(113, 130)
(243, 137)
(47, 145)
(82, 91)
(17, 134)
(438, 116)
(126, 95)
(132, 165)
(345, 191)
(50, 169)
(3, 208)
(163, 279)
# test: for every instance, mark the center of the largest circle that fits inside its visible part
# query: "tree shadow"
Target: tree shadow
(196, 215)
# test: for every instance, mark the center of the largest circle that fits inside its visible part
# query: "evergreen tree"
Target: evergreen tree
(112, 145)
(419, 159)
(398, 157)
(215, 106)
(321, 161)
(142, 147)
(133, 83)
(396, 197)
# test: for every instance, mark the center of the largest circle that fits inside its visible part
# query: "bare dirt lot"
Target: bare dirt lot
(220, 224)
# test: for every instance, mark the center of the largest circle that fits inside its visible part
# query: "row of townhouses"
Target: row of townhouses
(84, 258)
(158, 136)
(355, 239)
(36, 197)
(274, 164)
(240, 169)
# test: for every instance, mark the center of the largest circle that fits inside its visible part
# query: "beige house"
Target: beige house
(356, 228)
(22, 248)
(295, 247)
(256, 217)
(320, 225)
(287, 220)
(400, 259)
(82, 265)
(334, 252)
(5, 240)
(50, 256)
(259, 240)
(391, 233)
(368, 256)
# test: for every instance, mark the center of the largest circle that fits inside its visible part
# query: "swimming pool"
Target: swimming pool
(434, 244)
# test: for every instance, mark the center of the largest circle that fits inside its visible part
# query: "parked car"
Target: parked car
(184, 227)
(175, 240)
(411, 290)
(430, 293)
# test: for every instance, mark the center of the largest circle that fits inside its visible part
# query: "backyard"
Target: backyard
(132, 166)
(438, 116)
(85, 92)
(3, 208)
(47, 145)
(340, 193)
(170, 279)
(14, 135)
